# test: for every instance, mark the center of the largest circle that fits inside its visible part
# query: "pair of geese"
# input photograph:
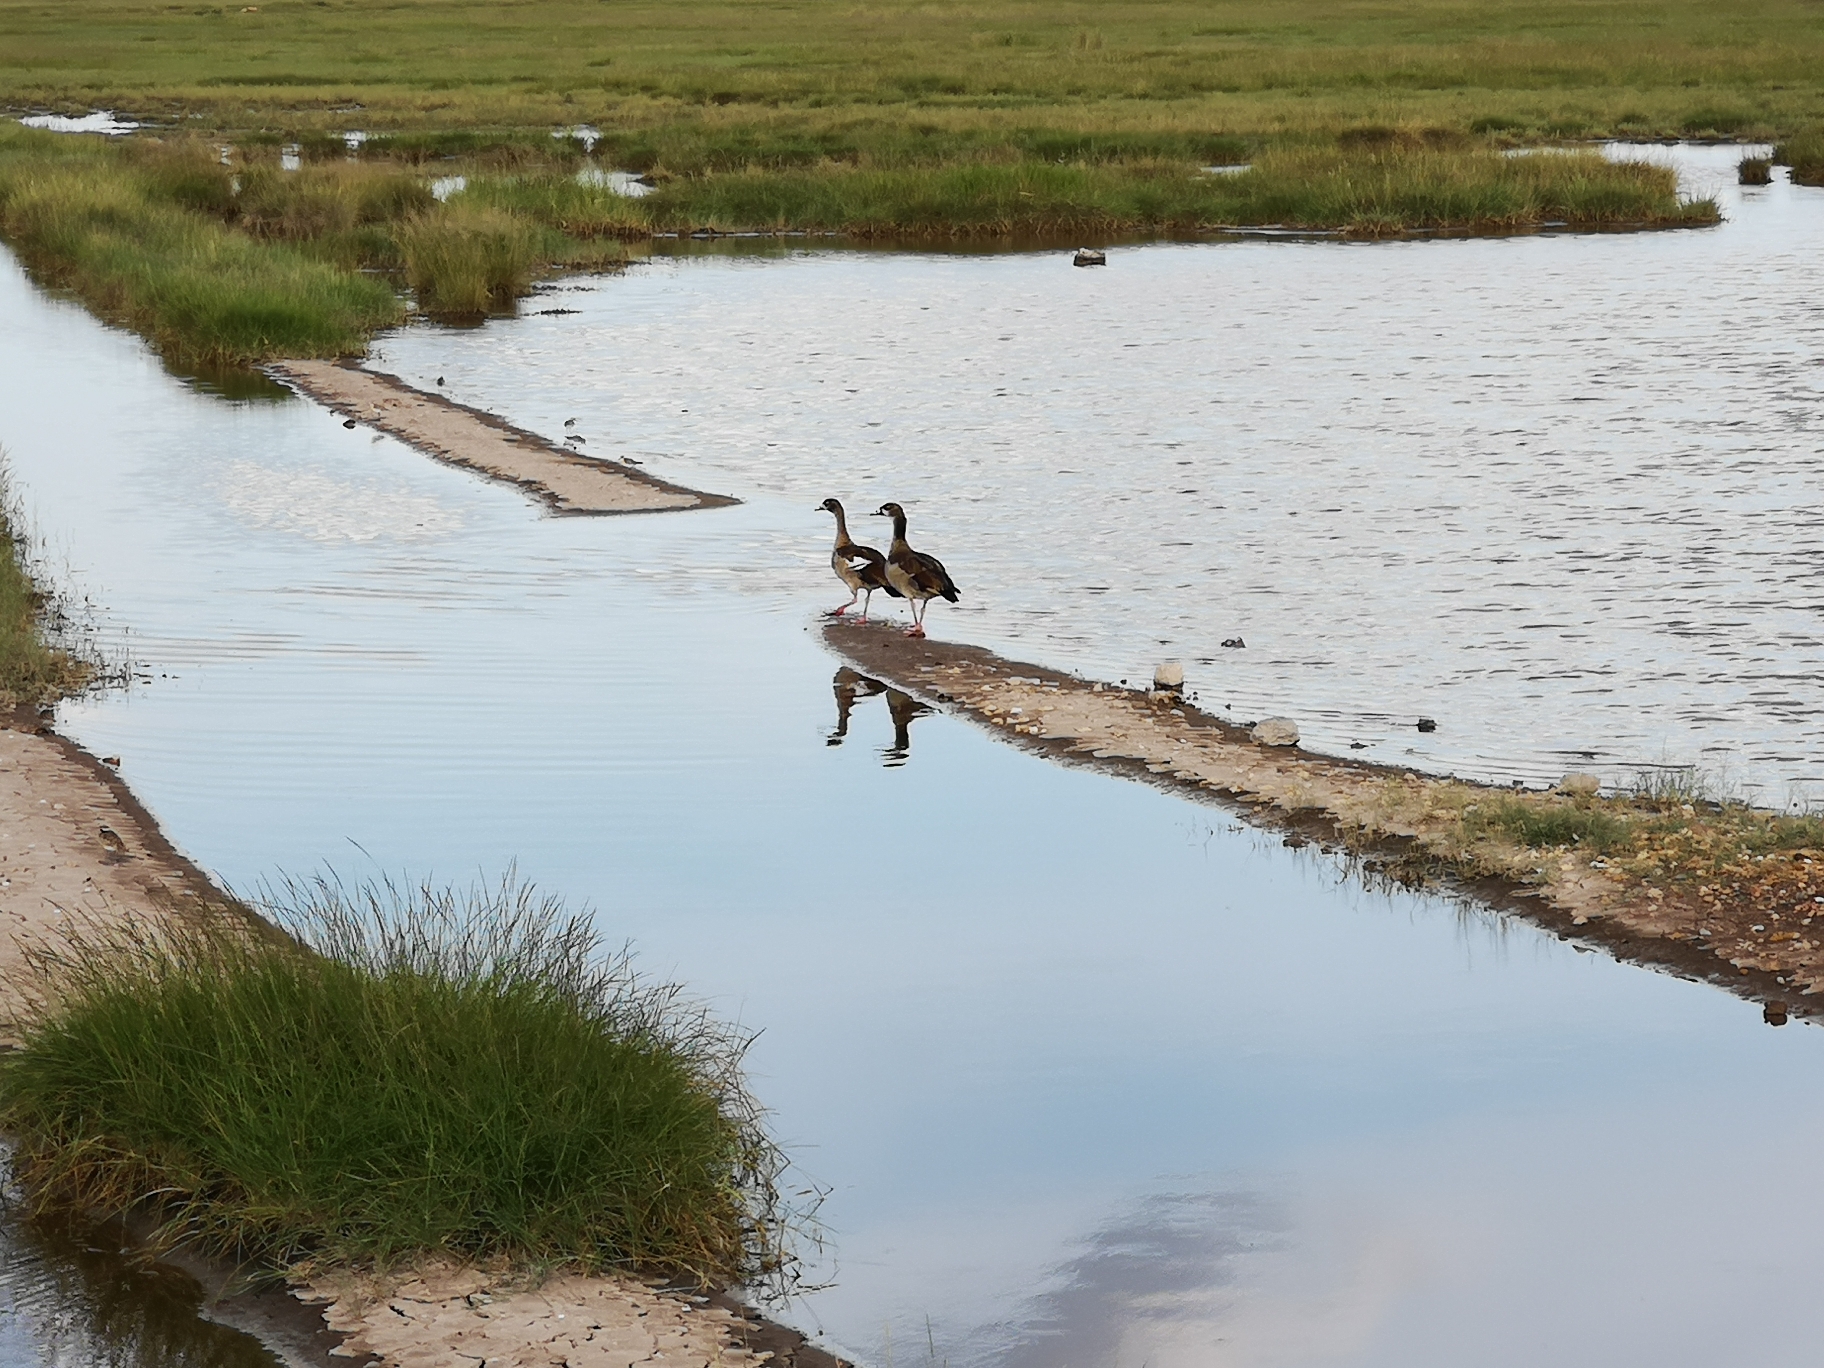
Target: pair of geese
(902, 572)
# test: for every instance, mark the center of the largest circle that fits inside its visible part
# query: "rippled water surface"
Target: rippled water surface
(1093, 1074)
(1560, 493)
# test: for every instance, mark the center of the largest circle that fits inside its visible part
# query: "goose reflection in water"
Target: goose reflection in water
(850, 686)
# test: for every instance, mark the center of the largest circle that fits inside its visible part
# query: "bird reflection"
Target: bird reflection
(904, 708)
(850, 686)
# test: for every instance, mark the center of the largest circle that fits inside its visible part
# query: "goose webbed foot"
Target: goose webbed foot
(915, 630)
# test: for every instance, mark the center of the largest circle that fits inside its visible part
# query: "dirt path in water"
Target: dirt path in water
(1402, 825)
(77, 847)
(464, 436)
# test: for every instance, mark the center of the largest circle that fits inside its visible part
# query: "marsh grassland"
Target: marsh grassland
(719, 84)
(922, 121)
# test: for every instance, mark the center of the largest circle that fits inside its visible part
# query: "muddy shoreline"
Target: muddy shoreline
(1379, 817)
(568, 483)
(77, 846)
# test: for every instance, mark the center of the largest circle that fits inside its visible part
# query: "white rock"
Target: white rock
(1168, 674)
(1580, 783)
(1275, 731)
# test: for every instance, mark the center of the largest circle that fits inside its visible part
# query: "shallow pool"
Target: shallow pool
(1092, 1073)
(1559, 493)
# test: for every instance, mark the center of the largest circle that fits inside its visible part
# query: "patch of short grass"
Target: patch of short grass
(1543, 824)
(398, 1073)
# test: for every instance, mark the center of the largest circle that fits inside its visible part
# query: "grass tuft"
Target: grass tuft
(468, 260)
(400, 1072)
(1542, 825)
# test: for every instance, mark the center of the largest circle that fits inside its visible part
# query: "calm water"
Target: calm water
(1561, 494)
(1093, 1074)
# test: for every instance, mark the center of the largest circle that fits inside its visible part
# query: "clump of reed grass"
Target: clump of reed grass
(394, 1072)
(1754, 171)
(466, 260)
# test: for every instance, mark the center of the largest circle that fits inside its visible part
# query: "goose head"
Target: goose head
(831, 506)
(889, 510)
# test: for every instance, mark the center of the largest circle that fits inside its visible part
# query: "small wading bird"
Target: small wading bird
(912, 574)
(862, 568)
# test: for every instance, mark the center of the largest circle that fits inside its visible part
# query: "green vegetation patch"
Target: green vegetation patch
(32, 670)
(398, 1074)
(1376, 189)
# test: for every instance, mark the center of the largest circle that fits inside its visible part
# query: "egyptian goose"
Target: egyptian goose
(912, 574)
(862, 568)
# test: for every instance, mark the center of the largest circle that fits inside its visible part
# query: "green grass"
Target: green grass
(713, 84)
(32, 669)
(424, 1073)
(1545, 823)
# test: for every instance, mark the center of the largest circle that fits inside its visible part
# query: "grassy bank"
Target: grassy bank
(398, 1075)
(226, 260)
(32, 669)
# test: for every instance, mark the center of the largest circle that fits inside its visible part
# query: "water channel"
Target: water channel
(1092, 1073)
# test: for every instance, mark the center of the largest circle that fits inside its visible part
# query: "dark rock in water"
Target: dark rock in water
(1235, 643)
(440, 380)
(1358, 745)
(1774, 1014)
(1089, 256)
(1426, 724)
(348, 422)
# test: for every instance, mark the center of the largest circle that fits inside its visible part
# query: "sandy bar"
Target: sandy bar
(1394, 820)
(468, 437)
(75, 846)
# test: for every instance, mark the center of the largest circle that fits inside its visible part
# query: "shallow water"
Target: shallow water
(1559, 493)
(1092, 1073)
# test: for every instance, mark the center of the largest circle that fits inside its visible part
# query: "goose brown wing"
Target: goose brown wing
(932, 575)
(870, 565)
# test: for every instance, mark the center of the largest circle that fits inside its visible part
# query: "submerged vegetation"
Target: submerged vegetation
(398, 1074)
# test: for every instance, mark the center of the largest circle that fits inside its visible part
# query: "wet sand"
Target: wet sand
(76, 847)
(464, 436)
(1399, 824)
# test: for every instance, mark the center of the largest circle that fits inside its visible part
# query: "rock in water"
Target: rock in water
(1275, 731)
(1168, 676)
(1427, 724)
(1089, 256)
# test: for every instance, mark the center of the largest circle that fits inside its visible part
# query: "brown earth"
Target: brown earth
(1749, 928)
(468, 437)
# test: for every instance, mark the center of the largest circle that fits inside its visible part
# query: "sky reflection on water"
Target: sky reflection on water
(1093, 1073)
